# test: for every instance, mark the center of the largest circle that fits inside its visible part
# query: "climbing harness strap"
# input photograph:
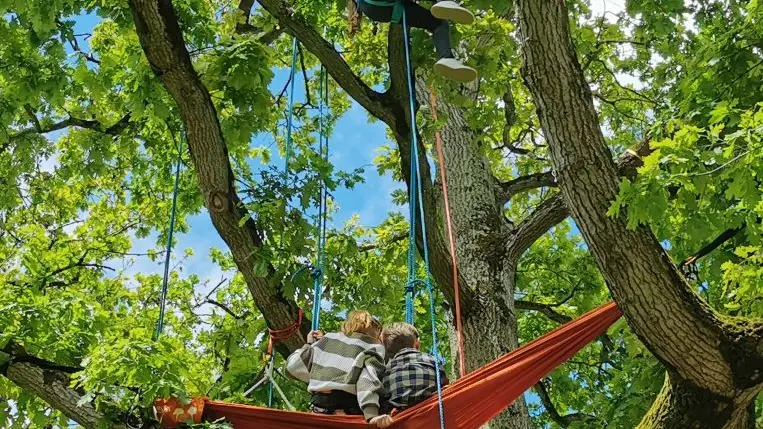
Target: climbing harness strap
(397, 6)
(416, 197)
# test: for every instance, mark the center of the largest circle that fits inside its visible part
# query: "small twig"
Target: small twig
(214, 289)
(400, 236)
(227, 309)
(620, 42)
(720, 167)
(308, 100)
(283, 91)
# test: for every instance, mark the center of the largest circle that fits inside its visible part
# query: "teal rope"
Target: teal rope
(287, 156)
(290, 118)
(270, 385)
(168, 253)
(416, 191)
(318, 272)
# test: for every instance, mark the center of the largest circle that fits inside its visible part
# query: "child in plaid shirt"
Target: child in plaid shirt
(411, 375)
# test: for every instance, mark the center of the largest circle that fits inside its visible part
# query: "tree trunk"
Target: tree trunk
(490, 332)
(52, 386)
(715, 363)
(682, 405)
(162, 41)
(487, 272)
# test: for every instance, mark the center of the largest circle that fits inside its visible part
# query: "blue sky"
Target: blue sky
(354, 144)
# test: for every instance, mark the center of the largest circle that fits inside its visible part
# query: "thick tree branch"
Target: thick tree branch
(51, 383)
(113, 130)
(562, 420)
(162, 41)
(376, 103)
(526, 183)
(554, 210)
(550, 212)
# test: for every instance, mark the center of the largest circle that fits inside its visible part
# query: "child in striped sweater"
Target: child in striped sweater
(344, 370)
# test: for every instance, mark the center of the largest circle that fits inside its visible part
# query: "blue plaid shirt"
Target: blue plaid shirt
(410, 378)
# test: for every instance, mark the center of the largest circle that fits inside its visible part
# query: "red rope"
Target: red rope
(285, 333)
(451, 236)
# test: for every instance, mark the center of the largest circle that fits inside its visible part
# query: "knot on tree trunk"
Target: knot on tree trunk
(217, 201)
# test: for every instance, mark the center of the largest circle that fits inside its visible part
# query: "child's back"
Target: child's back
(411, 375)
(343, 372)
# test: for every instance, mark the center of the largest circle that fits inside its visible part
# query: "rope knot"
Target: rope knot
(410, 287)
(316, 273)
(285, 333)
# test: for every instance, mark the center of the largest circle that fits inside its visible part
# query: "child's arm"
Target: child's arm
(382, 422)
(369, 386)
(299, 362)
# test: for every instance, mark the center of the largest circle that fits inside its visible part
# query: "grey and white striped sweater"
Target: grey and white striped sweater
(353, 364)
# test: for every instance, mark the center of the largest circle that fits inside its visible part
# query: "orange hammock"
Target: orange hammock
(469, 402)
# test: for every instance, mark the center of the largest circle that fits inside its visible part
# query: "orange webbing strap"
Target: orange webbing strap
(282, 334)
(451, 237)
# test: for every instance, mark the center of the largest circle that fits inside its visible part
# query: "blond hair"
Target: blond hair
(398, 336)
(360, 321)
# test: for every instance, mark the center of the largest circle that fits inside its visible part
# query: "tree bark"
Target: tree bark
(714, 363)
(50, 383)
(487, 270)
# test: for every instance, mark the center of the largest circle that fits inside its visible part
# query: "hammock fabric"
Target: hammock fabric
(469, 402)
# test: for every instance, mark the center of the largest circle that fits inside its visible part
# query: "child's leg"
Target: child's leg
(446, 66)
(420, 17)
(451, 11)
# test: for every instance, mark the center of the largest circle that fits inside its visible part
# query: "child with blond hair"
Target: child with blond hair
(343, 370)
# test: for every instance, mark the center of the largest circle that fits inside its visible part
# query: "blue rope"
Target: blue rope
(287, 156)
(290, 119)
(168, 253)
(323, 205)
(270, 385)
(416, 191)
